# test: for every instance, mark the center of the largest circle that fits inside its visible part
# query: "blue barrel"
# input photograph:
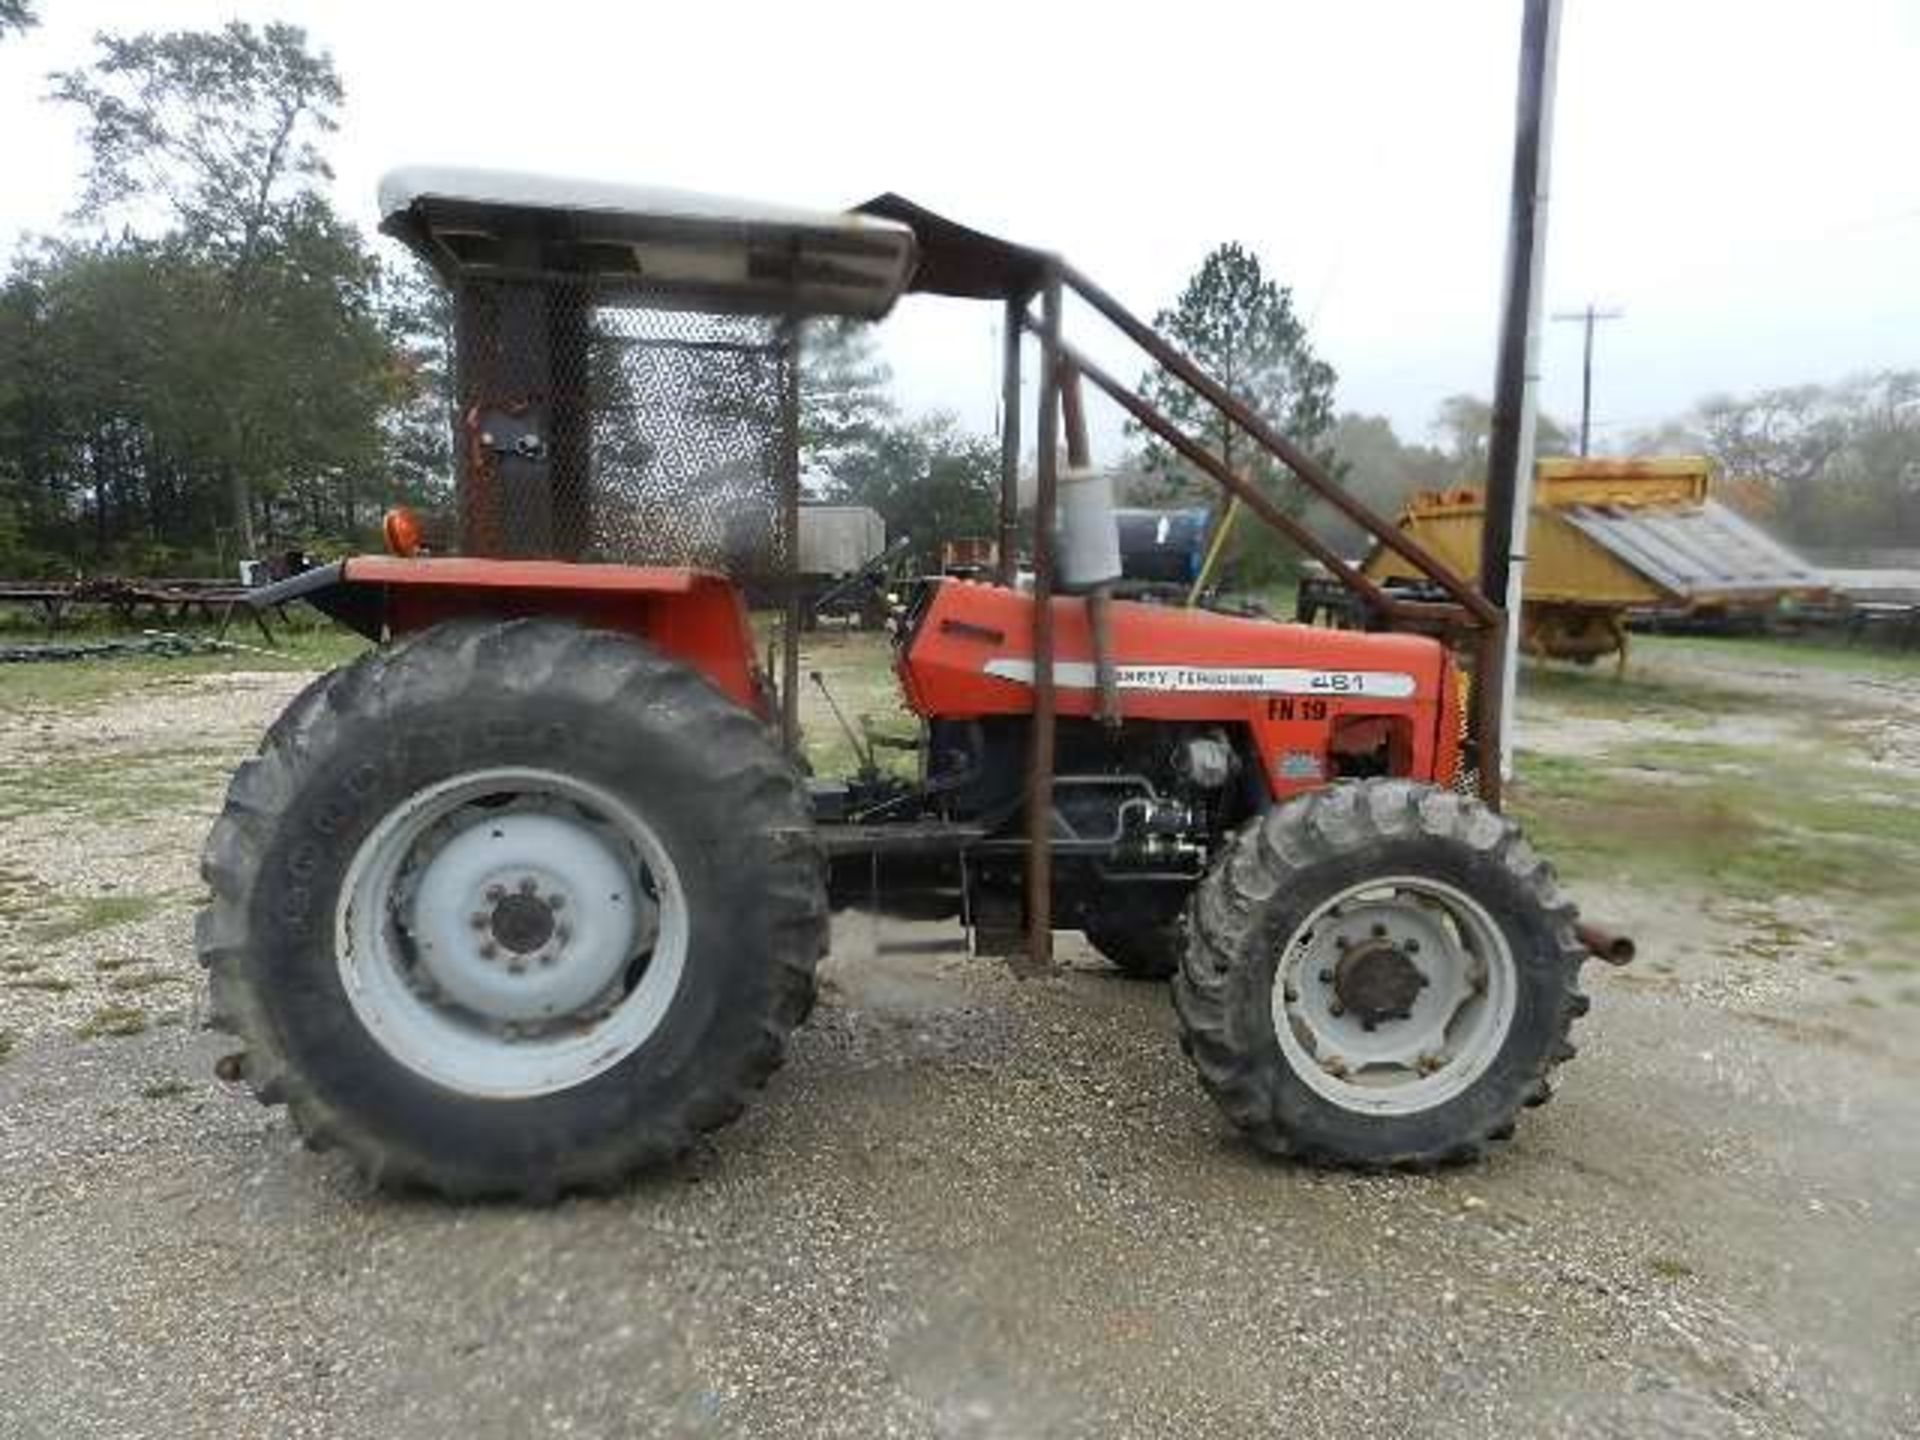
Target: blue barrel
(1163, 545)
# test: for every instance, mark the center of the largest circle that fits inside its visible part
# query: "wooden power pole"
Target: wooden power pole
(1503, 545)
(1587, 317)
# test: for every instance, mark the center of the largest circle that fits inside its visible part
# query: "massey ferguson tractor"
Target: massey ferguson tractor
(530, 895)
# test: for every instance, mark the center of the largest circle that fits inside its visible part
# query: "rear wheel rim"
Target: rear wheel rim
(1394, 996)
(511, 932)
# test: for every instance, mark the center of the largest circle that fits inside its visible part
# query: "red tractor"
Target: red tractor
(531, 895)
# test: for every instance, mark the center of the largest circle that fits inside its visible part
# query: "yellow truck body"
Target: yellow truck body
(1607, 536)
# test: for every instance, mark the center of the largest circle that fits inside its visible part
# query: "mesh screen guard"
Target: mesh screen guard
(594, 428)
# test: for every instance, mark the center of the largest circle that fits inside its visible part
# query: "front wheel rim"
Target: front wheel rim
(1394, 996)
(511, 932)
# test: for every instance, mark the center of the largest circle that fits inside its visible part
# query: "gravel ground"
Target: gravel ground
(970, 1206)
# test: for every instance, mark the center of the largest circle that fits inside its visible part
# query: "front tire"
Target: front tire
(1380, 974)
(512, 909)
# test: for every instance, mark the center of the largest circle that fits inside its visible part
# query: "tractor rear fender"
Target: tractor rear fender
(695, 616)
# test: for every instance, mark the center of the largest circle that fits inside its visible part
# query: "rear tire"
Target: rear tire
(1380, 974)
(1151, 954)
(512, 909)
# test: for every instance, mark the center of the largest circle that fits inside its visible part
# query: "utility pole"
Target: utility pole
(1503, 543)
(1587, 318)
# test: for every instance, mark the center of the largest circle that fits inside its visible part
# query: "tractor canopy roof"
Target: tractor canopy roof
(670, 248)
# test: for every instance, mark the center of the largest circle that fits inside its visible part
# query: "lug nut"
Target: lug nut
(479, 920)
(496, 892)
(516, 966)
(1341, 942)
(556, 901)
(1326, 977)
(489, 950)
(1336, 1009)
(527, 886)
(1379, 931)
(562, 934)
(1412, 947)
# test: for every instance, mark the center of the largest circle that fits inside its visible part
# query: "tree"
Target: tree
(415, 311)
(233, 352)
(1240, 327)
(927, 479)
(16, 15)
(1464, 427)
(217, 131)
(1831, 465)
(844, 406)
(1379, 469)
(1781, 439)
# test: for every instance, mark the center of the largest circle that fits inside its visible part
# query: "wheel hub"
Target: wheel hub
(512, 932)
(526, 916)
(522, 923)
(1377, 981)
(1393, 995)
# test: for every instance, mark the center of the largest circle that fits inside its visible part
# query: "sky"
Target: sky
(1741, 177)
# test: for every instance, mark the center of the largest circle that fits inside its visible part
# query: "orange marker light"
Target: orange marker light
(401, 529)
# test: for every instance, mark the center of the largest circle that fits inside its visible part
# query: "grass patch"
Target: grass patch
(1669, 1267)
(168, 1089)
(96, 912)
(7, 1043)
(52, 984)
(1750, 823)
(21, 893)
(121, 1020)
(114, 786)
(65, 684)
(1788, 654)
(1633, 696)
(858, 670)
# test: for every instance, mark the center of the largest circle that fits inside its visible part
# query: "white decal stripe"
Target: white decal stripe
(1218, 679)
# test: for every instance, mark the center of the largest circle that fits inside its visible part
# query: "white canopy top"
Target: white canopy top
(675, 245)
(519, 189)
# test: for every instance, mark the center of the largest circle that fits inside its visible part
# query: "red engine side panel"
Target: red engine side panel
(693, 615)
(1293, 688)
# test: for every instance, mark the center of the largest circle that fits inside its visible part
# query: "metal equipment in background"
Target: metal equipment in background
(1610, 538)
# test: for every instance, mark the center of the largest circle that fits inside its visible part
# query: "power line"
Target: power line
(1587, 317)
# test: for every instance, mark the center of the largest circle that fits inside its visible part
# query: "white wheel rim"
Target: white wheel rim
(1394, 996)
(511, 932)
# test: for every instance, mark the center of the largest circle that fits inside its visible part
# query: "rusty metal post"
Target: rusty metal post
(789, 462)
(1040, 750)
(1008, 540)
(1489, 701)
